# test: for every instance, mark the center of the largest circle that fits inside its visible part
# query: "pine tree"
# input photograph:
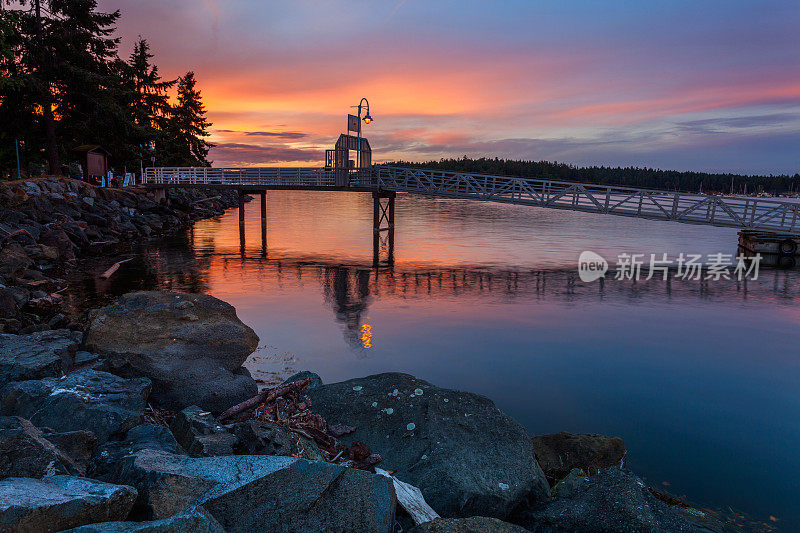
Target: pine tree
(187, 127)
(149, 103)
(61, 65)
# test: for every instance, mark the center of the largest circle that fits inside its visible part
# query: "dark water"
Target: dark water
(701, 379)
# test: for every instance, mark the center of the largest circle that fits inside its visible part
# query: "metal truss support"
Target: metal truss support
(383, 227)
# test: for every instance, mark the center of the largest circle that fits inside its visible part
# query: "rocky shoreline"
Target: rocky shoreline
(47, 224)
(140, 416)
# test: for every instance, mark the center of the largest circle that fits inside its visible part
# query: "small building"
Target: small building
(339, 160)
(93, 159)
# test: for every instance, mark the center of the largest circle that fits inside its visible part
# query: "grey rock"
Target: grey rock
(59, 240)
(85, 358)
(25, 452)
(316, 381)
(60, 502)
(157, 335)
(190, 522)
(13, 260)
(107, 460)
(21, 295)
(474, 524)
(31, 188)
(615, 500)
(263, 492)
(78, 446)
(37, 355)
(568, 484)
(99, 402)
(263, 438)
(559, 453)
(256, 437)
(466, 456)
(8, 304)
(199, 433)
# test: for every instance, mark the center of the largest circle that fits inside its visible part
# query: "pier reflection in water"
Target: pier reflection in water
(701, 378)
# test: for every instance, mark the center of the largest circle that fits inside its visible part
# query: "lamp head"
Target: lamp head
(367, 119)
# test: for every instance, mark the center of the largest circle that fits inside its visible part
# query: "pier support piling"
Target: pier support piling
(241, 221)
(264, 223)
(383, 224)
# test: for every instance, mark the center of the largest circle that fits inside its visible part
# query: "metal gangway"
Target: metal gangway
(744, 213)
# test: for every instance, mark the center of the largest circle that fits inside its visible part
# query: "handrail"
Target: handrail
(743, 213)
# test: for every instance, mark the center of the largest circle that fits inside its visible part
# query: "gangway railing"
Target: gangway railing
(725, 211)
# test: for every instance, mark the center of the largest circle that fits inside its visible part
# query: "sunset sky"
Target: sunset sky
(687, 85)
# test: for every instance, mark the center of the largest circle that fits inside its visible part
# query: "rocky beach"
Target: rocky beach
(140, 416)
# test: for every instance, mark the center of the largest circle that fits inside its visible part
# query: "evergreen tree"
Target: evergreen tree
(62, 77)
(149, 103)
(187, 127)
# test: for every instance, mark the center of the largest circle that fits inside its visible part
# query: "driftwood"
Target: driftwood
(15, 233)
(410, 497)
(110, 272)
(264, 396)
(206, 199)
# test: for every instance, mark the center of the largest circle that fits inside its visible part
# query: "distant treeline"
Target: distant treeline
(649, 178)
(63, 84)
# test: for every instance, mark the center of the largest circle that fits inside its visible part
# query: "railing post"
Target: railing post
(675, 202)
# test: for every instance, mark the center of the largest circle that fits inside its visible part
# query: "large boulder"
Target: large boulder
(175, 339)
(611, 501)
(190, 522)
(105, 404)
(36, 355)
(60, 502)
(466, 456)
(559, 453)
(474, 524)
(25, 452)
(261, 492)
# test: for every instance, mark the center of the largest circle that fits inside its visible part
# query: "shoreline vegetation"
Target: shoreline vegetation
(636, 177)
(101, 433)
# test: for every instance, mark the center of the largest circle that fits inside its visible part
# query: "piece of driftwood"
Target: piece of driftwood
(15, 233)
(206, 199)
(264, 396)
(410, 497)
(110, 272)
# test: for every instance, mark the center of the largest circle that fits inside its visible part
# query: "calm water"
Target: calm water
(701, 380)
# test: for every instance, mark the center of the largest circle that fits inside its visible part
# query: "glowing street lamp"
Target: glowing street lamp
(364, 103)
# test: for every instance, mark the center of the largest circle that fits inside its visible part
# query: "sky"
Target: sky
(688, 85)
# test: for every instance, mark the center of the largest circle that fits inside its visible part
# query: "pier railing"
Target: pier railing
(725, 211)
(263, 176)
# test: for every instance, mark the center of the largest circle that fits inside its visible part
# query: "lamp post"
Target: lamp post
(367, 119)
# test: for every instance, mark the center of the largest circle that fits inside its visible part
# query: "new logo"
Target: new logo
(591, 266)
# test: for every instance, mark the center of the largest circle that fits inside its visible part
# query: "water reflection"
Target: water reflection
(187, 264)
